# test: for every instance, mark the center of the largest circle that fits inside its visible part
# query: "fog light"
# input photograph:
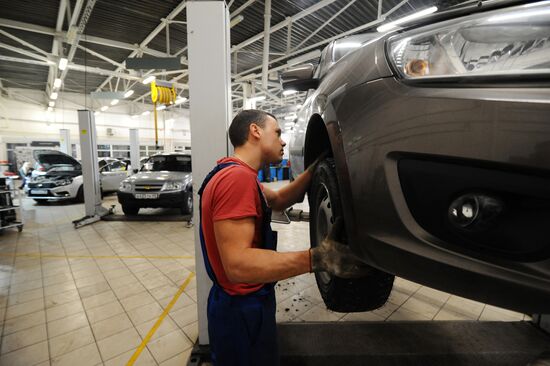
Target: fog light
(475, 211)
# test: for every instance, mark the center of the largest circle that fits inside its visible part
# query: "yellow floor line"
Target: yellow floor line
(152, 331)
(46, 255)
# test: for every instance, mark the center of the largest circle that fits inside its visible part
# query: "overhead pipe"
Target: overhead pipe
(267, 25)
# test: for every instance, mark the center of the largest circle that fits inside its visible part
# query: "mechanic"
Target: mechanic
(239, 246)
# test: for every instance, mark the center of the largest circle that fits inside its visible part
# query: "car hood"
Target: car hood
(52, 158)
(159, 177)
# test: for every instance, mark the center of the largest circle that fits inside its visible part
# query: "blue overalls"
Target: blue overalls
(242, 328)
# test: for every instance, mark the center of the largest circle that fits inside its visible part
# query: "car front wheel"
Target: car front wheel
(187, 207)
(339, 294)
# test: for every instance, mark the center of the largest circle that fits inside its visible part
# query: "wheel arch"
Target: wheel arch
(324, 132)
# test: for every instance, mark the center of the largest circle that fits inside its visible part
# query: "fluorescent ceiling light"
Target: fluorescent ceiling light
(161, 107)
(148, 79)
(394, 24)
(289, 92)
(114, 102)
(180, 100)
(53, 95)
(145, 113)
(291, 117)
(51, 103)
(289, 124)
(257, 99)
(298, 106)
(50, 109)
(57, 83)
(97, 113)
(128, 93)
(236, 20)
(347, 45)
(135, 116)
(63, 62)
(104, 108)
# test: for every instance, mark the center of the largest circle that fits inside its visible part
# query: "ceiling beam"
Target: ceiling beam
(178, 9)
(267, 36)
(24, 43)
(25, 52)
(284, 23)
(52, 72)
(244, 75)
(8, 23)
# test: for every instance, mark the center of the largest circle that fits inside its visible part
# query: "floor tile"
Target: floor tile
(185, 316)
(67, 324)
(25, 308)
(180, 359)
(70, 341)
(84, 356)
(166, 326)
(137, 300)
(144, 313)
(104, 311)
(144, 359)
(99, 299)
(27, 356)
(110, 326)
(168, 346)
(24, 338)
(24, 322)
(63, 310)
(119, 343)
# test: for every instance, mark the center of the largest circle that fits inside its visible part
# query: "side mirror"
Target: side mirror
(135, 171)
(299, 78)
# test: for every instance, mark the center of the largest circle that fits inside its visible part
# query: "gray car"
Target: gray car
(438, 136)
(164, 180)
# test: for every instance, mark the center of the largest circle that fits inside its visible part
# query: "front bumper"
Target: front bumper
(165, 200)
(397, 220)
(60, 193)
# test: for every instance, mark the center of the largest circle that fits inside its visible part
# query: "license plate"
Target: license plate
(39, 191)
(147, 196)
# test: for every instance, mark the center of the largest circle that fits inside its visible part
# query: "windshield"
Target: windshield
(171, 163)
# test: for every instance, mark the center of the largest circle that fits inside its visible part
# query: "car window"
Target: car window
(117, 166)
(172, 163)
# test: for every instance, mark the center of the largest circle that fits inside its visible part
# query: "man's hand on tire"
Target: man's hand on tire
(336, 258)
(311, 168)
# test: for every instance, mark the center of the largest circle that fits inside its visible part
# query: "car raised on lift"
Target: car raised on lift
(439, 163)
(164, 181)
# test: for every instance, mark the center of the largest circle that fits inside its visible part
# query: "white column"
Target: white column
(134, 148)
(90, 168)
(65, 141)
(210, 112)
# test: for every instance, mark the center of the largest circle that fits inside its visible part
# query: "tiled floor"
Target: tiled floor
(90, 296)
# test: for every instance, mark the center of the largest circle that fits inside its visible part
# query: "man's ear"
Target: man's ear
(255, 130)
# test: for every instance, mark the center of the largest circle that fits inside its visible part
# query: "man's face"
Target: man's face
(271, 143)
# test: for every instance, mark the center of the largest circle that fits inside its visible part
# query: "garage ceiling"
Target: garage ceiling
(102, 34)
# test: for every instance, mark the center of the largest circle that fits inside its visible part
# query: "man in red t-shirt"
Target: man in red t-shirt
(240, 248)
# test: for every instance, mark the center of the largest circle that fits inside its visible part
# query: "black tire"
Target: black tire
(80, 194)
(342, 295)
(187, 207)
(130, 210)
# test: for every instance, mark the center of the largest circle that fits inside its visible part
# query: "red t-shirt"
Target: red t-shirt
(231, 194)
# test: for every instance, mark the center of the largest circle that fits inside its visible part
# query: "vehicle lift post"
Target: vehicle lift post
(90, 170)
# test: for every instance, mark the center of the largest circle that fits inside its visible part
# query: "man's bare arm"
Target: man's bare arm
(245, 264)
(290, 193)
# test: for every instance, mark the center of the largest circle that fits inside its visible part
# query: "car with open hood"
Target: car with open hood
(438, 136)
(62, 177)
(164, 181)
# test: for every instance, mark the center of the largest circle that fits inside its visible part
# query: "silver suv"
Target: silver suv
(163, 181)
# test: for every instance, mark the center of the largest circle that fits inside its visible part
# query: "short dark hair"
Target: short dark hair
(238, 131)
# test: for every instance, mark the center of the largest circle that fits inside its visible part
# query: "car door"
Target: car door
(112, 174)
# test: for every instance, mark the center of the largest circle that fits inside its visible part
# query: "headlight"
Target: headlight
(172, 186)
(514, 41)
(125, 187)
(63, 182)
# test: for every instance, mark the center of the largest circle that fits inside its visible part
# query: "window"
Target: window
(171, 163)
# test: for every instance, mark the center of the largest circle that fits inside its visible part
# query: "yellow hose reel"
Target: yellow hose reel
(162, 92)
